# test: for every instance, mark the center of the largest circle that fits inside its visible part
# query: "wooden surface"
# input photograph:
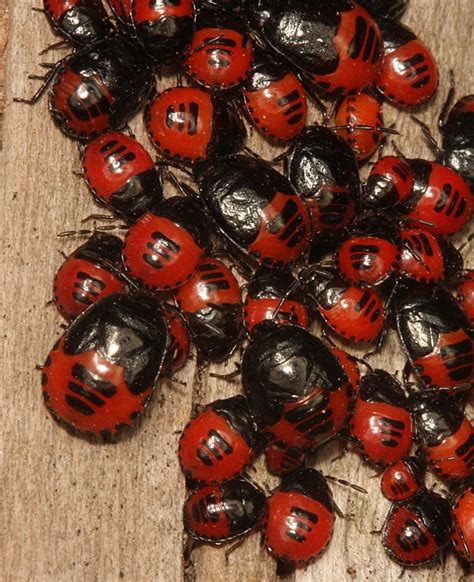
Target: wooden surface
(75, 511)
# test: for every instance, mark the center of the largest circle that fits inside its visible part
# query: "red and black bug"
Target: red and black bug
(97, 88)
(338, 43)
(163, 27)
(404, 478)
(381, 423)
(255, 208)
(189, 124)
(297, 390)
(362, 118)
(100, 375)
(121, 175)
(91, 272)
(221, 54)
(222, 512)
(463, 533)
(211, 302)
(178, 349)
(456, 126)
(390, 182)
(299, 520)
(274, 98)
(457, 130)
(428, 257)
(163, 248)
(464, 292)
(281, 459)
(81, 22)
(446, 435)
(355, 313)
(370, 253)
(267, 289)
(417, 531)
(435, 335)
(409, 74)
(219, 442)
(323, 170)
(441, 198)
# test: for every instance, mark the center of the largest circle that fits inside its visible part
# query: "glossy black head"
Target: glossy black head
(139, 194)
(128, 330)
(102, 249)
(326, 292)
(283, 364)
(312, 484)
(187, 213)
(228, 130)
(323, 166)
(437, 417)
(376, 224)
(416, 465)
(385, 9)
(167, 37)
(244, 505)
(423, 312)
(236, 412)
(216, 330)
(274, 284)
(267, 69)
(303, 31)
(395, 35)
(238, 501)
(235, 189)
(380, 386)
(380, 192)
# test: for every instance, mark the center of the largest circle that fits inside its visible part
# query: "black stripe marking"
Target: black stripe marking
(283, 101)
(357, 42)
(79, 405)
(87, 394)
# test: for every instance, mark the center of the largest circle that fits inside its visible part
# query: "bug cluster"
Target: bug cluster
(311, 239)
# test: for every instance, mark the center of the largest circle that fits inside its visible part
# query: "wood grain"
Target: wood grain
(74, 511)
(4, 30)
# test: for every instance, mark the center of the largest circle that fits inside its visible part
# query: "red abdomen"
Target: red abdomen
(210, 450)
(454, 457)
(297, 526)
(88, 392)
(450, 363)
(279, 110)
(384, 432)
(79, 283)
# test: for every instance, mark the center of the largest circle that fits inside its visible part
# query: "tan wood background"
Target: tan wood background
(75, 511)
